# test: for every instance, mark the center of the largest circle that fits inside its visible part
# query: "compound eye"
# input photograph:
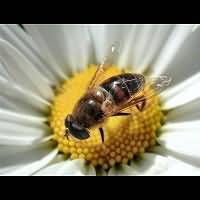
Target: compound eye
(68, 119)
(81, 135)
(78, 131)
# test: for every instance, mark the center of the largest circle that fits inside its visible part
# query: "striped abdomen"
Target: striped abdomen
(122, 87)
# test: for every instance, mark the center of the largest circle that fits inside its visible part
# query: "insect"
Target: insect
(108, 99)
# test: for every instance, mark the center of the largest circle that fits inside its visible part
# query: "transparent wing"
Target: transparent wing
(108, 61)
(158, 84)
(153, 87)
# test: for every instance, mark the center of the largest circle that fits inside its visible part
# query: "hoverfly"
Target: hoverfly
(109, 98)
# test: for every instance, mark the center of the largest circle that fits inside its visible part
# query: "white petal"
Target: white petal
(16, 134)
(187, 112)
(172, 46)
(67, 168)
(181, 126)
(179, 168)
(20, 100)
(42, 43)
(182, 93)
(97, 34)
(140, 44)
(150, 45)
(16, 156)
(150, 164)
(7, 104)
(23, 42)
(127, 47)
(22, 72)
(178, 164)
(11, 116)
(5, 170)
(182, 140)
(157, 165)
(196, 26)
(104, 36)
(29, 169)
(143, 39)
(67, 46)
(3, 71)
(186, 61)
(60, 157)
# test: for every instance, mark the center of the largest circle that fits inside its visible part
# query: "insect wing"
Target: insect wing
(158, 84)
(108, 61)
(154, 86)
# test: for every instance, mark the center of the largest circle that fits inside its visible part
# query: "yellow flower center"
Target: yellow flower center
(126, 137)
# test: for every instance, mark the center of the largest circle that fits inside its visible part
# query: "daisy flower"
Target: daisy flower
(45, 69)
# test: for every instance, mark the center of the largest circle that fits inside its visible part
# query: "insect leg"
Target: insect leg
(140, 106)
(121, 114)
(102, 134)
